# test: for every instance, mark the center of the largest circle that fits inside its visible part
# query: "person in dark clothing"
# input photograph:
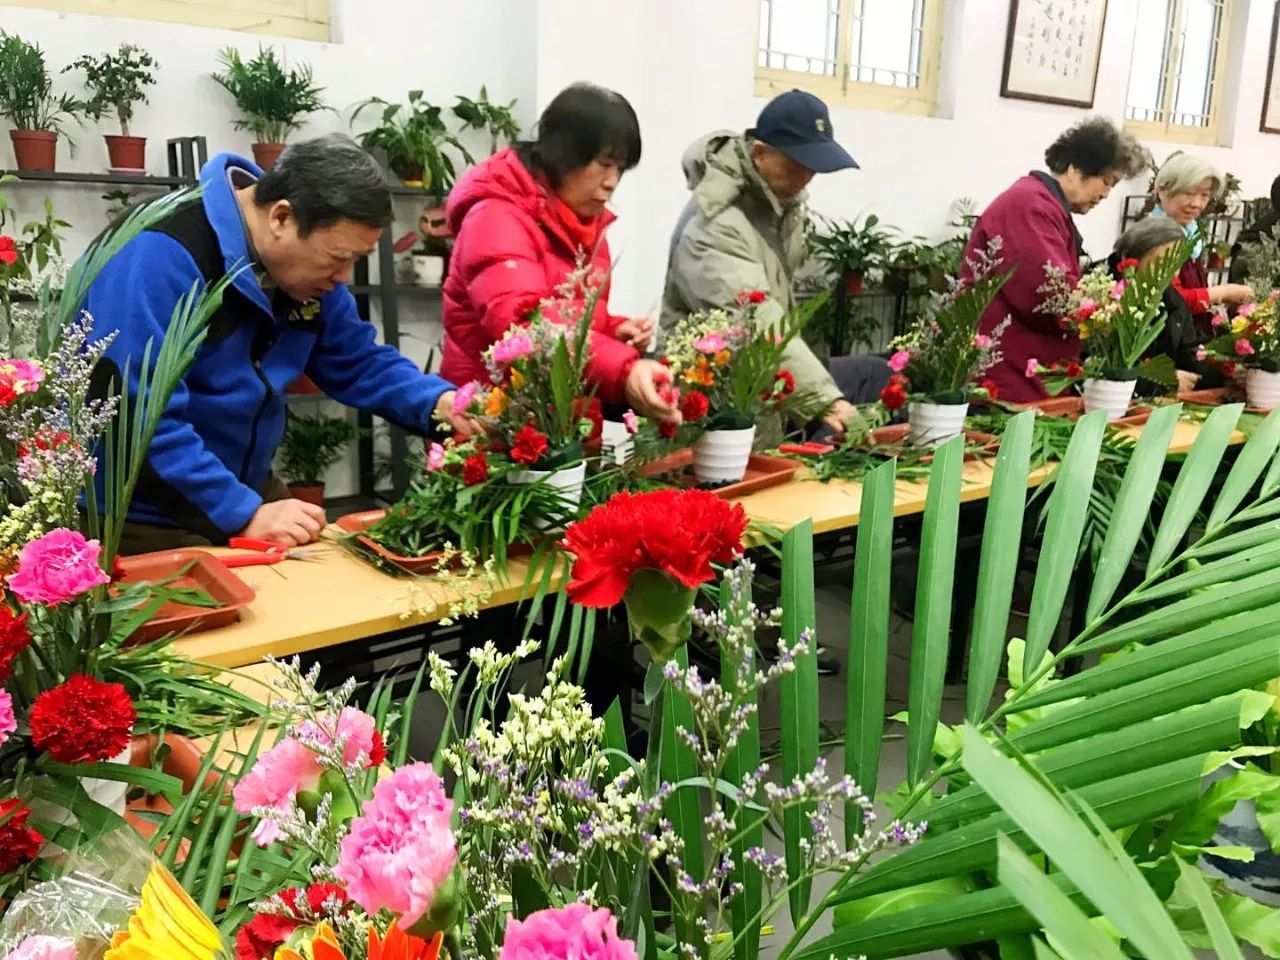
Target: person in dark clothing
(291, 237)
(1033, 221)
(1263, 227)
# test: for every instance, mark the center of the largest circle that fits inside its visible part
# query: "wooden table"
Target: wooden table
(303, 606)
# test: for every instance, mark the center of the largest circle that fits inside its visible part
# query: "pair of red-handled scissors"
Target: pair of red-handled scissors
(265, 552)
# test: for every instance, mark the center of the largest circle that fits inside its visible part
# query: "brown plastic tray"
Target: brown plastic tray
(1073, 408)
(357, 523)
(1213, 397)
(762, 472)
(895, 435)
(186, 569)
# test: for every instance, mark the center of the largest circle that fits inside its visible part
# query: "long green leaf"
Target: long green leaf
(1067, 509)
(1193, 483)
(1228, 569)
(931, 633)
(1132, 507)
(1067, 923)
(1224, 943)
(1259, 450)
(1136, 912)
(678, 763)
(869, 638)
(1001, 546)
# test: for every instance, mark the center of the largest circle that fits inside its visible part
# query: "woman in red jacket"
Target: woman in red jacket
(1033, 220)
(522, 219)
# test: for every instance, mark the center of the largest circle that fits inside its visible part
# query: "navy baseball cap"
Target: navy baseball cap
(799, 125)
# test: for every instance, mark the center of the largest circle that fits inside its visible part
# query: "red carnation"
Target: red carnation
(45, 439)
(475, 469)
(894, 396)
(19, 843)
(14, 638)
(750, 296)
(694, 406)
(1074, 369)
(83, 721)
(7, 393)
(1127, 264)
(635, 531)
(529, 447)
(1229, 368)
(990, 387)
(8, 251)
(378, 752)
(784, 384)
(667, 429)
(265, 932)
(590, 409)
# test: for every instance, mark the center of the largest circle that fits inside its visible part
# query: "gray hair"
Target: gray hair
(1146, 235)
(325, 180)
(1184, 172)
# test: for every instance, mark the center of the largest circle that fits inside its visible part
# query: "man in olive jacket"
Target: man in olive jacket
(744, 227)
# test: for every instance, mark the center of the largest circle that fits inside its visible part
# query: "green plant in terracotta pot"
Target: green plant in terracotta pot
(273, 98)
(414, 139)
(495, 118)
(117, 81)
(311, 446)
(28, 101)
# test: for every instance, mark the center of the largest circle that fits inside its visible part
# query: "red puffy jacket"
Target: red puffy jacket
(511, 252)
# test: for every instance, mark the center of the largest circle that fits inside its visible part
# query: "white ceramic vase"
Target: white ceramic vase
(566, 480)
(720, 456)
(929, 424)
(107, 793)
(1113, 396)
(428, 270)
(1262, 389)
(616, 442)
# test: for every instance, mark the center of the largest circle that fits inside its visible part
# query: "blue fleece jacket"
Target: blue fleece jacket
(213, 450)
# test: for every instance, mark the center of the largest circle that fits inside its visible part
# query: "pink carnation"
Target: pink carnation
(1118, 290)
(1086, 309)
(511, 348)
(462, 399)
(1032, 366)
(711, 343)
(577, 931)
(1244, 348)
(40, 947)
(982, 341)
(8, 723)
(25, 376)
(1245, 309)
(400, 850)
(435, 457)
(631, 421)
(898, 362)
(275, 781)
(58, 567)
(355, 730)
(1219, 318)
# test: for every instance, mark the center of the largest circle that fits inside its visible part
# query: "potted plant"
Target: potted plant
(1116, 320)
(272, 99)
(117, 81)
(1226, 199)
(414, 140)
(311, 446)
(856, 255)
(731, 375)
(1218, 253)
(1249, 340)
(27, 99)
(936, 364)
(483, 114)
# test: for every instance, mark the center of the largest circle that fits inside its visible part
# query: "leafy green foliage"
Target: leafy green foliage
(117, 80)
(312, 444)
(414, 139)
(497, 119)
(272, 99)
(26, 88)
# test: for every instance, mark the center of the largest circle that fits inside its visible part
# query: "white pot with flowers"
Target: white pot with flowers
(938, 364)
(730, 376)
(1116, 319)
(1249, 341)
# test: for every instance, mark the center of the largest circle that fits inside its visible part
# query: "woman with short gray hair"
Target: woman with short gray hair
(1185, 186)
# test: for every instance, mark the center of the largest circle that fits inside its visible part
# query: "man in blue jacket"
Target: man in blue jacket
(299, 228)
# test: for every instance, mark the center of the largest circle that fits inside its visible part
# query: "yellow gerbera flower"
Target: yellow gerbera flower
(517, 379)
(1239, 324)
(167, 923)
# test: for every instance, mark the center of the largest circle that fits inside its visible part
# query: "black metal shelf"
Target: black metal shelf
(100, 179)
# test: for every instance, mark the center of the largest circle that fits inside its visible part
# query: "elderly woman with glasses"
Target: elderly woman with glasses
(1185, 186)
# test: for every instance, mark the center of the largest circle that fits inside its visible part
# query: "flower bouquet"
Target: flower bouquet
(1250, 341)
(731, 375)
(1117, 321)
(936, 364)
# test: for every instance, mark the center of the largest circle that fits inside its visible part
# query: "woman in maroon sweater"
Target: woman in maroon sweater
(1033, 221)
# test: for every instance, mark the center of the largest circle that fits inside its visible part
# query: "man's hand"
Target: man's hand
(1232, 293)
(644, 393)
(463, 426)
(636, 332)
(1187, 380)
(288, 522)
(843, 416)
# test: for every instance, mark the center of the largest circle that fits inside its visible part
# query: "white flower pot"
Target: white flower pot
(1113, 396)
(107, 793)
(567, 480)
(428, 271)
(616, 442)
(929, 424)
(720, 456)
(1262, 389)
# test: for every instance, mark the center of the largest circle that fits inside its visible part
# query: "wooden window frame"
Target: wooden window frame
(310, 19)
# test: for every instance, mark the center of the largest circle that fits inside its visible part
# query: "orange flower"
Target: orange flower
(495, 404)
(517, 379)
(722, 358)
(398, 945)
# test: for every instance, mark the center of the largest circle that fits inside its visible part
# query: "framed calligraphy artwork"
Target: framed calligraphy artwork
(1052, 51)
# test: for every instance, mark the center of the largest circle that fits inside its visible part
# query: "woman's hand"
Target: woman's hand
(842, 417)
(1187, 380)
(646, 394)
(636, 332)
(1233, 293)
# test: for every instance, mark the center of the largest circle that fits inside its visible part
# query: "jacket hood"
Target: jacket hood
(718, 169)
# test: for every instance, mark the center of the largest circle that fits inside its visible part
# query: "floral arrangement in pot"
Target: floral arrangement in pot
(1249, 341)
(730, 376)
(1117, 321)
(938, 364)
(117, 81)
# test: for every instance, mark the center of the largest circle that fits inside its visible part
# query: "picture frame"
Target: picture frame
(1270, 122)
(1047, 61)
